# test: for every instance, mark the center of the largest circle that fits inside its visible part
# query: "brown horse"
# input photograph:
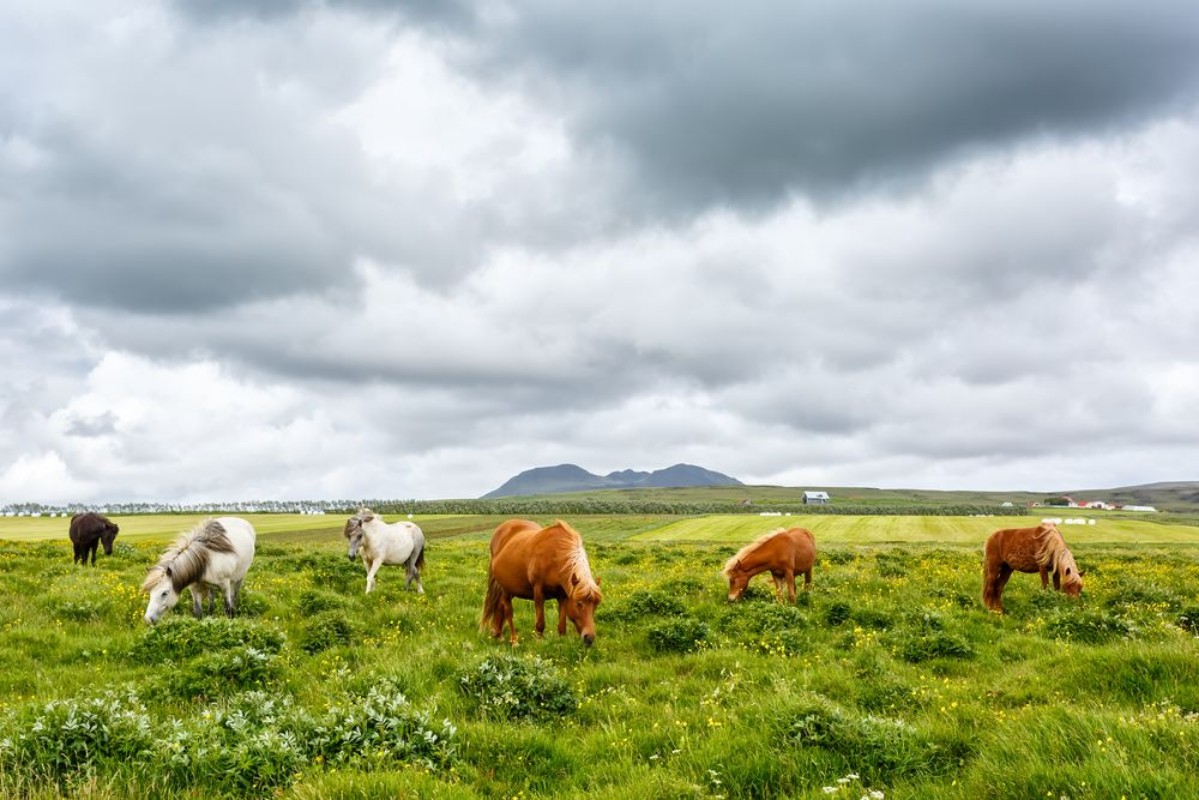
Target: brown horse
(539, 564)
(784, 553)
(1041, 549)
(88, 531)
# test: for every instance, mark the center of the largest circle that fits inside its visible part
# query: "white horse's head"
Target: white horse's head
(354, 530)
(160, 585)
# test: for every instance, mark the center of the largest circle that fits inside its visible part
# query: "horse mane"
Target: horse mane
(749, 548)
(574, 558)
(1054, 555)
(184, 561)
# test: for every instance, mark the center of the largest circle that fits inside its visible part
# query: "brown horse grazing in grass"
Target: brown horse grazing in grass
(783, 553)
(88, 531)
(539, 564)
(1041, 549)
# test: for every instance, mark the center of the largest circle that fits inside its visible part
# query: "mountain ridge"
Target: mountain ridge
(573, 478)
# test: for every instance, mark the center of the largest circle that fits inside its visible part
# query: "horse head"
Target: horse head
(1072, 580)
(160, 585)
(738, 580)
(108, 535)
(353, 532)
(580, 602)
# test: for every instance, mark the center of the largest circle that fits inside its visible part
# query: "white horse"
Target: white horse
(398, 543)
(213, 555)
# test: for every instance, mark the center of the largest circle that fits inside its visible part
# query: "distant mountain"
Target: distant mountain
(573, 478)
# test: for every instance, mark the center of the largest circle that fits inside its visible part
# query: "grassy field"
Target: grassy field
(886, 678)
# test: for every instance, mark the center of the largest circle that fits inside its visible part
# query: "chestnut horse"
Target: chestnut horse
(539, 564)
(1041, 549)
(784, 553)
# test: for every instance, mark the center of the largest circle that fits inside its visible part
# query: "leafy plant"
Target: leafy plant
(509, 687)
(677, 636)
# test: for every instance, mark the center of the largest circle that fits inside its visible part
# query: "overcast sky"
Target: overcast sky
(287, 249)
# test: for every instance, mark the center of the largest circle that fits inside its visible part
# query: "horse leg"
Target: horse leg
(1044, 578)
(509, 615)
(562, 617)
(236, 585)
(1057, 581)
(807, 579)
(1005, 574)
(539, 607)
(790, 578)
(230, 598)
(370, 574)
(414, 575)
(94, 546)
(198, 593)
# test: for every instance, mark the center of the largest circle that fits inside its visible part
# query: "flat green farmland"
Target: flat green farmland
(852, 530)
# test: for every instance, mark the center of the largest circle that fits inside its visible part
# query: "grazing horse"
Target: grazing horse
(88, 531)
(380, 543)
(539, 564)
(213, 555)
(784, 553)
(1041, 549)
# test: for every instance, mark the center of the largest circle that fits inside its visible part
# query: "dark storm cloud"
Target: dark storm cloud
(745, 103)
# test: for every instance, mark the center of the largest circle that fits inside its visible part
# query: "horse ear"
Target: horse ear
(574, 579)
(599, 582)
(170, 571)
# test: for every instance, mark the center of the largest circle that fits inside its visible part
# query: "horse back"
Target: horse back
(512, 529)
(1019, 548)
(520, 555)
(86, 527)
(242, 536)
(799, 547)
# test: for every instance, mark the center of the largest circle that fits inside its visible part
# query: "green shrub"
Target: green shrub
(323, 632)
(763, 618)
(881, 749)
(222, 672)
(509, 687)
(922, 646)
(66, 736)
(380, 729)
(1087, 627)
(682, 635)
(181, 639)
(251, 744)
(314, 601)
(837, 613)
(645, 603)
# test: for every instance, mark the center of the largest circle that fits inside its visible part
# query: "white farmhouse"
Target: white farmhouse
(815, 498)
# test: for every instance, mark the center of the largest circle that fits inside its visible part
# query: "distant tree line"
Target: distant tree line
(548, 506)
(526, 506)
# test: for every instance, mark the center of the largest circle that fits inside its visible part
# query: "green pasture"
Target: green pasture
(846, 529)
(886, 678)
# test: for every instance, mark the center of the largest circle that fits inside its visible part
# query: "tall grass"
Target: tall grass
(887, 677)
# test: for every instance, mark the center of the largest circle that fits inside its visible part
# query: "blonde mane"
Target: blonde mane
(575, 560)
(1054, 556)
(749, 548)
(185, 561)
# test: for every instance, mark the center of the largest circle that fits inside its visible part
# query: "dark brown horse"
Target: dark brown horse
(782, 553)
(90, 530)
(1041, 549)
(539, 564)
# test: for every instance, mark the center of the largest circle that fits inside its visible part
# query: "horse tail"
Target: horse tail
(420, 554)
(991, 559)
(492, 604)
